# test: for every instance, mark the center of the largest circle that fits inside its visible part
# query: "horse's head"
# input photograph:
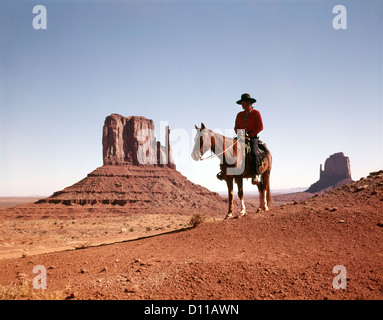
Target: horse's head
(202, 142)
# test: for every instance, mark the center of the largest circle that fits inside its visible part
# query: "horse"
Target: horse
(235, 165)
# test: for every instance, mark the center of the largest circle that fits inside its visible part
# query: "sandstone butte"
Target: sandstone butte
(125, 182)
(336, 173)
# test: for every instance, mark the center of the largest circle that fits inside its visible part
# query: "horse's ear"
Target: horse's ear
(197, 127)
(202, 126)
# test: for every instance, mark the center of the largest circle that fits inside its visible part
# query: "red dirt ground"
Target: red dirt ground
(286, 253)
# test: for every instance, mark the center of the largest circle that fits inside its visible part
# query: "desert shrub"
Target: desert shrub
(15, 292)
(196, 219)
(82, 246)
(23, 290)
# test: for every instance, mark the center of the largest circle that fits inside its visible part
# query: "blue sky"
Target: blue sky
(319, 90)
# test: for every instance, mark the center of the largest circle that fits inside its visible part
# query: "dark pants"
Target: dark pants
(254, 153)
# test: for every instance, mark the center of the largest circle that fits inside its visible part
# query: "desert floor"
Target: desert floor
(327, 246)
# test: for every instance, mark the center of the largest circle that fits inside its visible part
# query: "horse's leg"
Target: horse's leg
(229, 183)
(262, 196)
(263, 189)
(240, 195)
(266, 189)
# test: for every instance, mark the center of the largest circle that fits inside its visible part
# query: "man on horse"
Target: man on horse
(251, 121)
(248, 123)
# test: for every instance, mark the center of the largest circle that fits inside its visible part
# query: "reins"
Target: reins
(216, 155)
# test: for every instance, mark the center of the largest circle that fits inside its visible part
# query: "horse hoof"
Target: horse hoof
(242, 214)
(229, 216)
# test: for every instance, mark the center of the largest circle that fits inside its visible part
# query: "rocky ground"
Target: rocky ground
(287, 253)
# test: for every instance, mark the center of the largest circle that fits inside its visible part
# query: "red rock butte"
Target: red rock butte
(131, 141)
(336, 173)
(139, 174)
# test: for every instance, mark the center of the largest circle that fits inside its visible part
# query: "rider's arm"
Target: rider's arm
(257, 125)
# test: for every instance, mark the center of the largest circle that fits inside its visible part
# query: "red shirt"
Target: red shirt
(251, 122)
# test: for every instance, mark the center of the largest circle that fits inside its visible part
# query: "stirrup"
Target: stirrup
(255, 180)
(220, 176)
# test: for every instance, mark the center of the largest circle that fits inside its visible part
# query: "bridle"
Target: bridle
(214, 154)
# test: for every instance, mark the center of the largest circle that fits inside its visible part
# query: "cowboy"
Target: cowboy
(251, 121)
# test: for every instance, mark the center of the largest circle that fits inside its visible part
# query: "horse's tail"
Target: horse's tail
(264, 185)
(268, 194)
(269, 199)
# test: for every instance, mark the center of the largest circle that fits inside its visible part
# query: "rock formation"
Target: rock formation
(336, 173)
(137, 188)
(138, 174)
(131, 140)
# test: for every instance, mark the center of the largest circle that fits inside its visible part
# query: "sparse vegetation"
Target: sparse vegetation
(23, 290)
(82, 246)
(24, 238)
(15, 291)
(196, 219)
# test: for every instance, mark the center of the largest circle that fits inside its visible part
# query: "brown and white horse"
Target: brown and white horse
(234, 165)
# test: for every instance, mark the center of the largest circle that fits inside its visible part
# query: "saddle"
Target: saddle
(262, 150)
(262, 153)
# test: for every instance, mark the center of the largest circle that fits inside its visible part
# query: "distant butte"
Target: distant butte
(336, 173)
(139, 174)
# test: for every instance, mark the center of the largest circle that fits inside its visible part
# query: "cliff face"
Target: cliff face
(338, 165)
(131, 141)
(336, 173)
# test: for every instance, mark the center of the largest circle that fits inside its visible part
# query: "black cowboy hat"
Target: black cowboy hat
(246, 97)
